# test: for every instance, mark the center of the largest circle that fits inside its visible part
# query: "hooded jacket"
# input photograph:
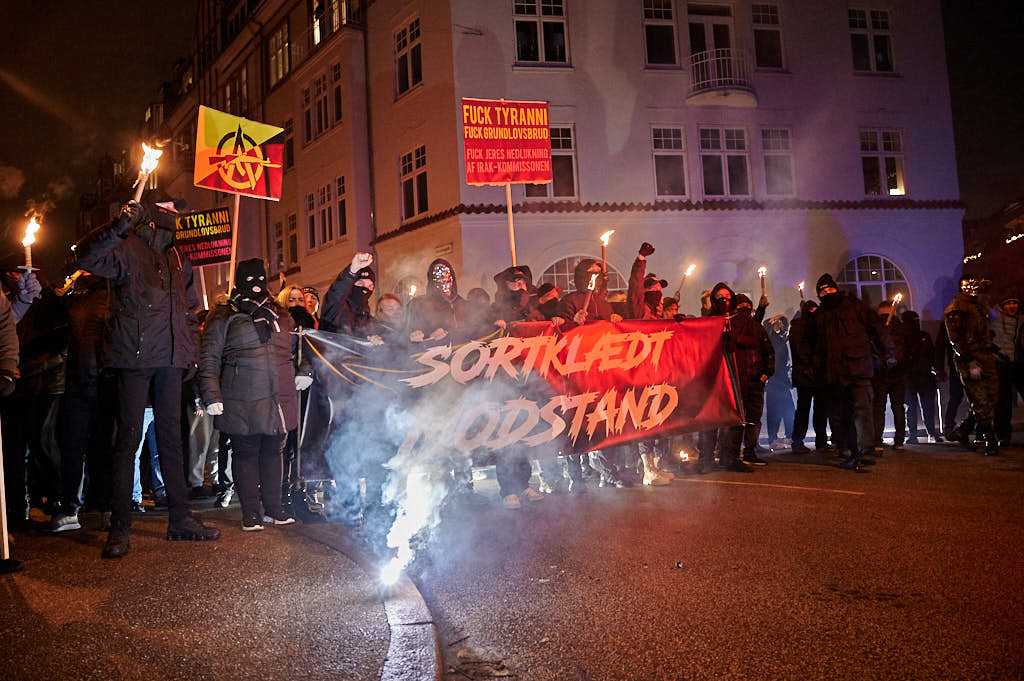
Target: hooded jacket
(433, 311)
(636, 295)
(571, 303)
(919, 353)
(780, 344)
(515, 306)
(755, 356)
(802, 345)
(346, 306)
(847, 333)
(717, 309)
(152, 323)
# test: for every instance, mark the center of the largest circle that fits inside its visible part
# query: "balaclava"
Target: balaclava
(156, 227)
(739, 299)
(912, 321)
(441, 278)
(250, 296)
(718, 306)
(359, 296)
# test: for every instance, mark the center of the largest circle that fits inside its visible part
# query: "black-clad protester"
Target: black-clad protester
(716, 302)
(1008, 334)
(921, 381)
(292, 299)
(347, 303)
(807, 380)
(890, 381)
(249, 383)
(847, 332)
(9, 353)
(755, 364)
(441, 312)
(152, 345)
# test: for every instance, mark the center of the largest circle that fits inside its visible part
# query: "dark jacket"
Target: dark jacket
(802, 345)
(515, 306)
(920, 355)
(345, 310)
(433, 311)
(254, 381)
(636, 303)
(848, 330)
(8, 337)
(966, 322)
(43, 337)
(88, 309)
(898, 337)
(571, 303)
(152, 322)
(780, 344)
(753, 351)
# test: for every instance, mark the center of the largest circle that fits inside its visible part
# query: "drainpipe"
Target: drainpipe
(369, 126)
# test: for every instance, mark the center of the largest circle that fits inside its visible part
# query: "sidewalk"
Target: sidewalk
(268, 605)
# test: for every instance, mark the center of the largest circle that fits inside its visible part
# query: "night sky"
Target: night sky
(74, 85)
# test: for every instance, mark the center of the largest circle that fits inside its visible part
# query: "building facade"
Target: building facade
(806, 136)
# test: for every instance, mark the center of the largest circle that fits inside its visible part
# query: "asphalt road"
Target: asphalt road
(268, 605)
(913, 570)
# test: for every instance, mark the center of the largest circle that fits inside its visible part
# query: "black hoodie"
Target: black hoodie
(346, 306)
(717, 308)
(434, 310)
(598, 307)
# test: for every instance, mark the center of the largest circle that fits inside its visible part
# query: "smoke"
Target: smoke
(11, 181)
(56, 191)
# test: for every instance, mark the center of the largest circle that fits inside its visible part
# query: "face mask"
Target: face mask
(443, 279)
(652, 298)
(251, 279)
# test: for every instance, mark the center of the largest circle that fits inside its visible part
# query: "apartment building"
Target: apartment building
(802, 135)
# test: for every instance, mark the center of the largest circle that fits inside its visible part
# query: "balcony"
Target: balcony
(721, 78)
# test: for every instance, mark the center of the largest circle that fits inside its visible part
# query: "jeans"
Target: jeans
(133, 391)
(779, 409)
(203, 441)
(257, 469)
(148, 442)
(805, 396)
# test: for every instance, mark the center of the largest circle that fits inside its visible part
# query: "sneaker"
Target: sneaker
(251, 523)
(280, 518)
(191, 528)
(137, 507)
(532, 495)
(738, 466)
(224, 498)
(655, 479)
(65, 522)
(511, 502)
(577, 487)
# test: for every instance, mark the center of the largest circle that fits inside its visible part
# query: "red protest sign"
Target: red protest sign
(506, 141)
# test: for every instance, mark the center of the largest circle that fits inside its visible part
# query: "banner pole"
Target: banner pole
(202, 285)
(511, 222)
(234, 243)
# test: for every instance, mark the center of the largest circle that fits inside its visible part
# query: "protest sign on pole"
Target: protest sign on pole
(241, 157)
(506, 142)
(205, 236)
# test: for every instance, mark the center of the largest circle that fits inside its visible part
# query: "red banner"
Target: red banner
(506, 141)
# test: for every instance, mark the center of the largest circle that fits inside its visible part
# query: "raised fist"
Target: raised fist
(359, 261)
(646, 249)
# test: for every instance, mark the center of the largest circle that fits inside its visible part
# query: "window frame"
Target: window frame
(653, 21)
(311, 233)
(406, 49)
(881, 154)
(568, 263)
(342, 206)
(539, 18)
(788, 152)
(278, 53)
(292, 239)
(723, 152)
(755, 26)
(680, 153)
(549, 188)
(889, 286)
(416, 168)
(871, 32)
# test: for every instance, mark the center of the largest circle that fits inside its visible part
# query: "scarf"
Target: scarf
(262, 312)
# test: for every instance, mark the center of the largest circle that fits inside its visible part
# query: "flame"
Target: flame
(684, 455)
(150, 158)
(689, 270)
(606, 236)
(593, 282)
(412, 290)
(762, 271)
(30, 232)
(800, 286)
(897, 299)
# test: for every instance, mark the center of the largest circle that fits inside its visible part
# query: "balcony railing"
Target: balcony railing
(722, 71)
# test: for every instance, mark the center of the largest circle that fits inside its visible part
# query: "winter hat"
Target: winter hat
(514, 272)
(545, 289)
(743, 298)
(651, 279)
(1010, 299)
(825, 281)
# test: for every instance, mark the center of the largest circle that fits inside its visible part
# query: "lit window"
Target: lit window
(881, 157)
(279, 51)
(561, 274)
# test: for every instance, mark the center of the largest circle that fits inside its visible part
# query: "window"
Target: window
(871, 40)
(724, 167)
(278, 247)
(563, 168)
(767, 37)
(778, 161)
(881, 158)
(659, 33)
(326, 215)
(408, 57)
(293, 240)
(316, 110)
(336, 82)
(307, 116)
(280, 54)
(342, 212)
(310, 221)
(873, 278)
(540, 32)
(289, 144)
(669, 167)
(561, 274)
(414, 183)
(328, 16)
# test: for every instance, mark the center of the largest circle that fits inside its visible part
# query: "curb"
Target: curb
(414, 651)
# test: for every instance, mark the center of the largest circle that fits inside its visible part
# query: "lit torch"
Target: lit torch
(590, 293)
(412, 290)
(604, 249)
(686, 275)
(30, 238)
(896, 300)
(762, 272)
(150, 160)
(800, 288)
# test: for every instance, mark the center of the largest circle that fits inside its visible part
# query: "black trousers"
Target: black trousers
(135, 387)
(894, 389)
(513, 471)
(257, 469)
(1011, 384)
(954, 399)
(86, 434)
(850, 408)
(753, 406)
(805, 396)
(921, 400)
(31, 455)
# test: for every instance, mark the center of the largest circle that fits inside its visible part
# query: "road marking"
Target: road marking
(768, 484)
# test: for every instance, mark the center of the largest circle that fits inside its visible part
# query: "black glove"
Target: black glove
(6, 382)
(646, 249)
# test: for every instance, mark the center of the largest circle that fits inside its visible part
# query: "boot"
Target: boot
(191, 528)
(962, 435)
(117, 541)
(851, 463)
(652, 476)
(991, 442)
